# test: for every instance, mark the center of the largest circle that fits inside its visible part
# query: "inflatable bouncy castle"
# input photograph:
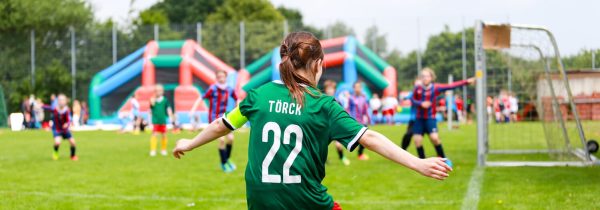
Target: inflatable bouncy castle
(184, 68)
(346, 61)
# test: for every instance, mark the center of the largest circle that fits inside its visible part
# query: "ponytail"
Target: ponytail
(299, 50)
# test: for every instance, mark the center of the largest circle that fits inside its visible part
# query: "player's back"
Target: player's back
(288, 148)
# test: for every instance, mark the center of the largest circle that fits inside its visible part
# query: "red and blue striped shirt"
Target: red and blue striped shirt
(422, 94)
(217, 100)
(59, 118)
(358, 108)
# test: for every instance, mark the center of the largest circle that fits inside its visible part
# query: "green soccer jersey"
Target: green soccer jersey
(288, 146)
(159, 111)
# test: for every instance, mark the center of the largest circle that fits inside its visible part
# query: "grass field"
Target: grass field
(115, 172)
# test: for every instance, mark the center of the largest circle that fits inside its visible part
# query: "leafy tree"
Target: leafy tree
(187, 11)
(54, 73)
(376, 41)
(51, 20)
(295, 23)
(338, 29)
(263, 29)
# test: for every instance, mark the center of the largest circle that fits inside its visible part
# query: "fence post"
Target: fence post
(32, 37)
(419, 64)
(73, 61)
(199, 33)
(449, 102)
(285, 28)
(156, 32)
(242, 46)
(464, 64)
(114, 43)
(593, 59)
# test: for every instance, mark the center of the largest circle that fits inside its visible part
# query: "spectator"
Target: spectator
(514, 106)
(389, 107)
(84, 113)
(375, 104)
(76, 113)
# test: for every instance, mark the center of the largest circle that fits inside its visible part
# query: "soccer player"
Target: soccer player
(358, 107)
(160, 108)
(425, 98)
(218, 95)
(292, 126)
(330, 86)
(411, 121)
(61, 122)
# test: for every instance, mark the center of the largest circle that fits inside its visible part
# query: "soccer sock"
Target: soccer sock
(223, 154)
(421, 152)
(72, 151)
(153, 143)
(440, 150)
(340, 153)
(163, 143)
(406, 140)
(228, 147)
(361, 149)
(56, 147)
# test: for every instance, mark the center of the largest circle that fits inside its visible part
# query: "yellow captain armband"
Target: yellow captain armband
(234, 119)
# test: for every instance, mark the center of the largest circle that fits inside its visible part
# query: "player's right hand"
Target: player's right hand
(426, 104)
(434, 167)
(182, 146)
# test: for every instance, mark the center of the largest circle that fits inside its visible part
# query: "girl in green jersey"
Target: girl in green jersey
(292, 126)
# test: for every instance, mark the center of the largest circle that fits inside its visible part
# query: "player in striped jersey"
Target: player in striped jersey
(293, 124)
(425, 99)
(218, 95)
(61, 123)
(358, 107)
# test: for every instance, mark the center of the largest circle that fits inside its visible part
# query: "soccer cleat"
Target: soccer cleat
(163, 152)
(225, 168)
(363, 157)
(152, 153)
(54, 155)
(449, 163)
(74, 158)
(345, 161)
(231, 165)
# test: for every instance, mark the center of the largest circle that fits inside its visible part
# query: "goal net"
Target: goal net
(524, 103)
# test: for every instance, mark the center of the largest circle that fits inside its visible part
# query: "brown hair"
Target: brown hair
(299, 50)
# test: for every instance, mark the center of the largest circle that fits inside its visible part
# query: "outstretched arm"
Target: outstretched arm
(215, 130)
(444, 87)
(430, 167)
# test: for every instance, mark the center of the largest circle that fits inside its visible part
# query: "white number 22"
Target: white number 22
(276, 178)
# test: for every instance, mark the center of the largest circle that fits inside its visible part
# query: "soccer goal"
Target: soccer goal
(524, 105)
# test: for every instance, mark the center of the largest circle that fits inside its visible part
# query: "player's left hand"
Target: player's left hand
(65, 126)
(471, 80)
(182, 146)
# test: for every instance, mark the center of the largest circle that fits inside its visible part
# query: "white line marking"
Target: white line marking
(471, 199)
(200, 199)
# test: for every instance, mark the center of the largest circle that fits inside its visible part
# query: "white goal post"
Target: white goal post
(492, 36)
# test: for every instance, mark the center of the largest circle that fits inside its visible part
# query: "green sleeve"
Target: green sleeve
(249, 105)
(342, 127)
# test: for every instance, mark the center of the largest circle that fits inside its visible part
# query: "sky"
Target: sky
(408, 24)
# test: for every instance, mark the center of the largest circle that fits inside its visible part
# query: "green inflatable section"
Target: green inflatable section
(254, 67)
(259, 79)
(370, 73)
(380, 63)
(94, 99)
(166, 61)
(170, 44)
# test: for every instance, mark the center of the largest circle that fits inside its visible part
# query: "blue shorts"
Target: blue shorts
(424, 126)
(64, 134)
